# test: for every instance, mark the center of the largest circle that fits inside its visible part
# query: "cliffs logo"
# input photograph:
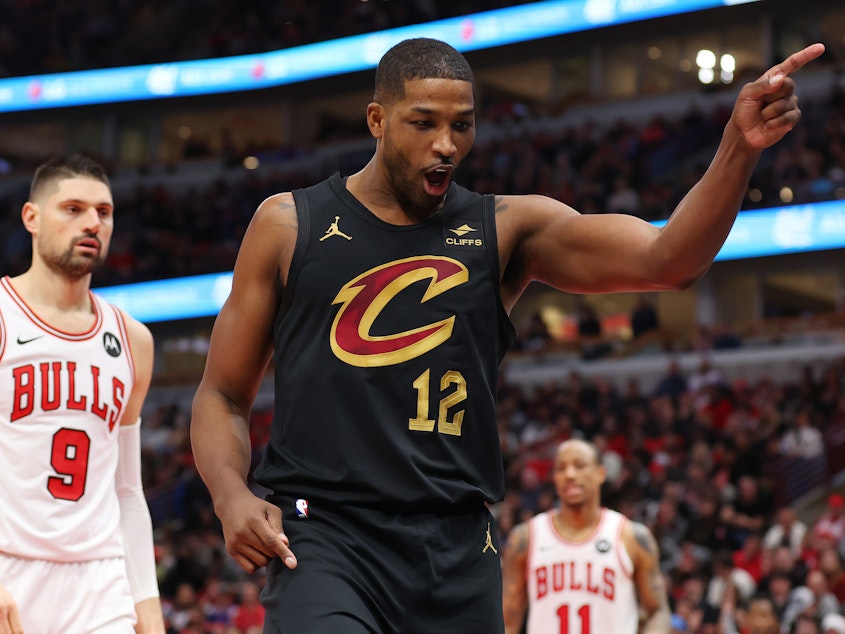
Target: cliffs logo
(463, 236)
(364, 298)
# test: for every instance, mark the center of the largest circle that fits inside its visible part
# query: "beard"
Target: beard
(71, 264)
(403, 179)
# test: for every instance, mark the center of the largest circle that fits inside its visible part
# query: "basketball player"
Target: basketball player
(582, 568)
(76, 548)
(383, 300)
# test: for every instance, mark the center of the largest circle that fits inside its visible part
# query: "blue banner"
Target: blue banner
(766, 232)
(335, 57)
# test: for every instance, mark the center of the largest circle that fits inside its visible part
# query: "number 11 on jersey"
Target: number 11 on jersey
(581, 615)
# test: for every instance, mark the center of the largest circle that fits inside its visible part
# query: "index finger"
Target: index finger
(796, 60)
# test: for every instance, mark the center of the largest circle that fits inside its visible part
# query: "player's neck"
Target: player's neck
(45, 290)
(577, 522)
(373, 191)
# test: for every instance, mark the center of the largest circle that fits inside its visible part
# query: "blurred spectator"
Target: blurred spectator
(830, 564)
(178, 610)
(812, 600)
(644, 317)
(589, 324)
(830, 526)
(787, 531)
(803, 440)
(749, 557)
(249, 614)
(758, 618)
(746, 513)
(805, 624)
(726, 575)
(673, 384)
(534, 336)
(590, 333)
(704, 376)
(781, 562)
(833, 624)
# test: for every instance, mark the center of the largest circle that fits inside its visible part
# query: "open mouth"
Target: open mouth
(437, 180)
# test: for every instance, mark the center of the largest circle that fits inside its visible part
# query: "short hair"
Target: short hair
(585, 443)
(70, 166)
(418, 58)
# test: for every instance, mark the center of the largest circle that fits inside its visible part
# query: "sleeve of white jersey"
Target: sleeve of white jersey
(136, 524)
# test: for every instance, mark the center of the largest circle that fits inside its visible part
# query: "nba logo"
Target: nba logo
(302, 508)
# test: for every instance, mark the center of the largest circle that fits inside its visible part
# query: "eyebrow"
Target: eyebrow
(425, 110)
(79, 201)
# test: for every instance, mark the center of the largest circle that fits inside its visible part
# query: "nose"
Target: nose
(92, 220)
(444, 145)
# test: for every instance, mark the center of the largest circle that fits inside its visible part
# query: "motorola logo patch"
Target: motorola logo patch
(603, 546)
(111, 344)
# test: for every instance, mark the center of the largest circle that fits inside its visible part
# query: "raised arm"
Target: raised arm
(544, 239)
(239, 353)
(514, 583)
(648, 579)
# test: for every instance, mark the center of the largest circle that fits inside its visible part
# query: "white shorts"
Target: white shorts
(90, 597)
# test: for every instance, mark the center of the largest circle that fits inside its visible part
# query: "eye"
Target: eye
(463, 126)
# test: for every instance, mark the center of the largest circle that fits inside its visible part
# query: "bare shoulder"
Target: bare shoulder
(521, 224)
(269, 241)
(639, 539)
(139, 334)
(141, 344)
(518, 539)
(278, 210)
(528, 208)
(142, 351)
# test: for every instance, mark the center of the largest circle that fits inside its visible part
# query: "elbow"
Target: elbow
(674, 279)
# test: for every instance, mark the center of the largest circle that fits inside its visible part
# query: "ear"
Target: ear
(602, 474)
(29, 216)
(376, 117)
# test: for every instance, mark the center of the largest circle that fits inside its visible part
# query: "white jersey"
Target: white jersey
(583, 587)
(61, 400)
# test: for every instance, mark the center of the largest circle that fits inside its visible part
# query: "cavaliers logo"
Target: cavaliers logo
(364, 298)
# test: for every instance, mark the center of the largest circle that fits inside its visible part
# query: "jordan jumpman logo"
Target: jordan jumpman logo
(489, 544)
(334, 231)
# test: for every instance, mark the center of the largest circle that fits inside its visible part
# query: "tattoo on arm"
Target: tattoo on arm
(501, 205)
(515, 598)
(645, 538)
(657, 604)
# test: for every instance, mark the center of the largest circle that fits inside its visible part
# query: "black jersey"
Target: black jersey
(387, 349)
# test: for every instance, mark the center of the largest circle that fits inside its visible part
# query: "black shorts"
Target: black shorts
(363, 571)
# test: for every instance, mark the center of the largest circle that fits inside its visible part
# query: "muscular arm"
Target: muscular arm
(514, 583)
(543, 239)
(239, 352)
(648, 579)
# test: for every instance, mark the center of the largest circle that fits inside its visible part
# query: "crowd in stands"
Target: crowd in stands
(35, 38)
(709, 465)
(642, 170)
